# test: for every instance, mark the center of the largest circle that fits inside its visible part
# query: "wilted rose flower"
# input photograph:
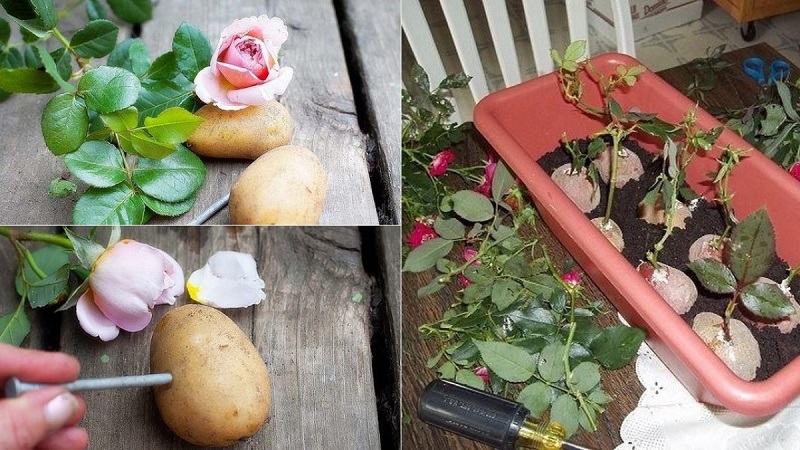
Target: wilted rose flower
(795, 171)
(482, 372)
(440, 162)
(572, 277)
(125, 283)
(485, 187)
(244, 68)
(228, 280)
(422, 232)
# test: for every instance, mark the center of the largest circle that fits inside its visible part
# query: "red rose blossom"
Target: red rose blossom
(795, 171)
(485, 187)
(572, 277)
(421, 233)
(440, 162)
(483, 373)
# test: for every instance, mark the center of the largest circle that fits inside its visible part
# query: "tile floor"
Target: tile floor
(660, 51)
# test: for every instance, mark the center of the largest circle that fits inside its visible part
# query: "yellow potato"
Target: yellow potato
(246, 133)
(220, 391)
(286, 186)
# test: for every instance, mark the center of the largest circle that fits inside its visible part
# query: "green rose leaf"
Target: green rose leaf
(95, 10)
(565, 411)
(775, 118)
(575, 51)
(502, 181)
(96, 39)
(52, 69)
(472, 206)
(163, 68)
(426, 255)
(766, 300)
(600, 397)
(27, 81)
(86, 250)
(616, 346)
(171, 179)
(786, 100)
(148, 147)
(173, 125)
(715, 276)
(752, 247)
(132, 11)
(108, 206)
(466, 377)
(157, 96)
(5, 32)
(121, 121)
(61, 188)
(536, 397)
(509, 362)
(586, 376)
(97, 163)
(54, 262)
(169, 209)
(108, 89)
(65, 123)
(15, 326)
(192, 50)
(449, 228)
(504, 292)
(551, 362)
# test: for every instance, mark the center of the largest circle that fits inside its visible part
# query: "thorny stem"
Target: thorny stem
(726, 321)
(573, 294)
(612, 182)
(26, 254)
(55, 239)
(792, 273)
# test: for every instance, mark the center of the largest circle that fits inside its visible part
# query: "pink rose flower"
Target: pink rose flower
(470, 253)
(440, 162)
(795, 171)
(482, 372)
(244, 69)
(572, 277)
(422, 232)
(485, 187)
(125, 283)
(463, 281)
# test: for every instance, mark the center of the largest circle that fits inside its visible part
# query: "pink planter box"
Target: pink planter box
(526, 121)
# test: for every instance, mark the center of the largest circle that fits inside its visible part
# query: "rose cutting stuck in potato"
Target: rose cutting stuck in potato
(244, 68)
(125, 283)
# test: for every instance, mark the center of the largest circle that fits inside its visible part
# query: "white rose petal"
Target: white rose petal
(228, 280)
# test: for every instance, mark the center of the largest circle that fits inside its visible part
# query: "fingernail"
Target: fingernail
(60, 409)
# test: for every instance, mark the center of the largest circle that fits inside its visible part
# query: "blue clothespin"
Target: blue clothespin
(778, 70)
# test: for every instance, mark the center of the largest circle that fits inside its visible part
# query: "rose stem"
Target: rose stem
(616, 136)
(55, 239)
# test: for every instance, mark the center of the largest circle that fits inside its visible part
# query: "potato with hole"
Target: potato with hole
(286, 186)
(220, 391)
(247, 133)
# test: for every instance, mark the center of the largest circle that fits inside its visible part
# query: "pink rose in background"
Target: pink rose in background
(470, 253)
(440, 162)
(485, 188)
(463, 281)
(125, 283)
(795, 171)
(572, 277)
(244, 69)
(422, 232)
(483, 373)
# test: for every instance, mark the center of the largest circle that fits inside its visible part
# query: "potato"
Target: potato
(247, 133)
(220, 391)
(286, 186)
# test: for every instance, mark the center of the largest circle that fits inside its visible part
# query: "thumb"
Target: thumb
(27, 420)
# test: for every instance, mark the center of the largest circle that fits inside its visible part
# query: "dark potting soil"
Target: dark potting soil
(777, 349)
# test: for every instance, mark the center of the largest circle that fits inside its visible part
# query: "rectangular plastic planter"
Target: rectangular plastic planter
(526, 121)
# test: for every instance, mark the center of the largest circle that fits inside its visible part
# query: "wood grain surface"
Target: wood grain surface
(313, 336)
(361, 165)
(735, 90)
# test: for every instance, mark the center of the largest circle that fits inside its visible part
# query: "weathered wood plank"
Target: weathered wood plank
(319, 98)
(313, 337)
(374, 37)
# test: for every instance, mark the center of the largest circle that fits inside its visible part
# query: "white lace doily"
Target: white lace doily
(668, 417)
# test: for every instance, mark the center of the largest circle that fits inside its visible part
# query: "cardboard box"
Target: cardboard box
(649, 16)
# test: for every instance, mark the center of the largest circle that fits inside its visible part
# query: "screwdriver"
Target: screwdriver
(15, 387)
(488, 418)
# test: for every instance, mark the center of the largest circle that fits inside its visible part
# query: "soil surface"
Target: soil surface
(777, 349)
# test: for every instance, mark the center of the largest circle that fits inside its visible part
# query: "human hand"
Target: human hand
(43, 419)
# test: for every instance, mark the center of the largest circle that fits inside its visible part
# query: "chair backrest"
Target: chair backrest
(417, 31)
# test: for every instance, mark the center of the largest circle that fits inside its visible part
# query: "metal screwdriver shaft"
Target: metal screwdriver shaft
(15, 387)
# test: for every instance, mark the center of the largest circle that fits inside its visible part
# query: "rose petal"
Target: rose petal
(173, 281)
(211, 89)
(238, 77)
(228, 280)
(270, 29)
(261, 94)
(92, 320)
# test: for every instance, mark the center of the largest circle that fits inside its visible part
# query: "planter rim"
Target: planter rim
(701, 371)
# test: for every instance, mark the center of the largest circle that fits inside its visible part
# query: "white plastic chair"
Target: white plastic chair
(418, 33)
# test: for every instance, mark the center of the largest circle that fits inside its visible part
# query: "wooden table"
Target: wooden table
(332, 360)
(345, 100)
(734, 90)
